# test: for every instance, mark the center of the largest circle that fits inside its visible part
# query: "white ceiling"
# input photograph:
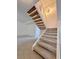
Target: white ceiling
(22, 7)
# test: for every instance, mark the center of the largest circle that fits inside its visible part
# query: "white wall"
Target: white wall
(49, 20)
(25, 29)
(25, 26)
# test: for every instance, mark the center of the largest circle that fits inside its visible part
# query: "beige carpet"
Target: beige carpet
(24, 49)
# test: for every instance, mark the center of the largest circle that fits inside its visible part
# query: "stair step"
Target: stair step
(48, 40)
(36, 55)
(51, 42)
(50, 36)
(32, 9)
(38, 20)
(42, 28)
(37, 17)
(33, 13)
(44, 53)
(51, 31)
(40, 24)
(47, 46)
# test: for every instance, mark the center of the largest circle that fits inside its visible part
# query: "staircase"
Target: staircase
(36, 18)
(47, 45)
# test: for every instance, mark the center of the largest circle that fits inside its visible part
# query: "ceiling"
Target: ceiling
(22, 7)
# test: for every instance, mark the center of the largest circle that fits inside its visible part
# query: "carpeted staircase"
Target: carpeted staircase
(46, 46)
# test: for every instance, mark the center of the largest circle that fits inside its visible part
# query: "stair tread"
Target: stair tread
(51, 42)
(47, 46)
(49, 36)
(44, 53)
(34, 11)
(36, 17)
(54, 34)
(52, 29)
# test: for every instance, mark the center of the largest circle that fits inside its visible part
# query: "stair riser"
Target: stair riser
(52, 29)
(51, 34)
